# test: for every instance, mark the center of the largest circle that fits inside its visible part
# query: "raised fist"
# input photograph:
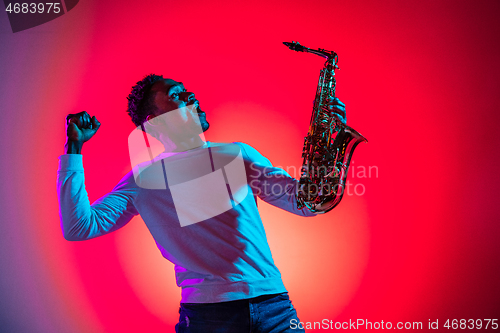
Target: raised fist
(80, 127)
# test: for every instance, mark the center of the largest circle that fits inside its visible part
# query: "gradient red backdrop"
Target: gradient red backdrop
(418, 241)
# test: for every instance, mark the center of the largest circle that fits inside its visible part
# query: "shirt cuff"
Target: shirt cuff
(71, 162)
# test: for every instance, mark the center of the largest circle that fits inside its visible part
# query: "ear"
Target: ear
(152, 120)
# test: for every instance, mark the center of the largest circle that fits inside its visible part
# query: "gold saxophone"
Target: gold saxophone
(328, 146)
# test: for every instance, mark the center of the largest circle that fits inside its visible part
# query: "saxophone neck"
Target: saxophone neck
(331, 64)
(330, 56)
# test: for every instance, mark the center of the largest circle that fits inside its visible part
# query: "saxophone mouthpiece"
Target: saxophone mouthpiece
(295, 46)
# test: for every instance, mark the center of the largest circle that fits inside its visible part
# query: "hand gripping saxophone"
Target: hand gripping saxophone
(328, 146)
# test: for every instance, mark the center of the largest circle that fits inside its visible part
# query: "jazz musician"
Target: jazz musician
(223, 263)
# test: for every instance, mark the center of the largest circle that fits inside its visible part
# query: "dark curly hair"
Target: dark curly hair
(140, 99)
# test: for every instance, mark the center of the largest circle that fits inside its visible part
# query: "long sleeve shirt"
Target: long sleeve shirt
(200, 206)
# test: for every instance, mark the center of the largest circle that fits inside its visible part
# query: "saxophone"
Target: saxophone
(328, 146)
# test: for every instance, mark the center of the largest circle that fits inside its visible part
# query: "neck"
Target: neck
(180, 145)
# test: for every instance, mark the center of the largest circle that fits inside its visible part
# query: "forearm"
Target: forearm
(73, 147)
(273, 185)
(280, 190)
(74, 206)
(79, 219)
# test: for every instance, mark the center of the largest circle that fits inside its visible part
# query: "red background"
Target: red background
(420, 81)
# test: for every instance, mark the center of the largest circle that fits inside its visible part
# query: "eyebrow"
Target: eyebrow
(180, 84)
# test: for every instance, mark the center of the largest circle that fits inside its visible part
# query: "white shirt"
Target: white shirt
(223, 257)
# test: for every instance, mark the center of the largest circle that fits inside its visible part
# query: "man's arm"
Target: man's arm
(273, 185)
(79, 219)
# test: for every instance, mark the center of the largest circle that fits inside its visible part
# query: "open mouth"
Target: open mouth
(196, 105)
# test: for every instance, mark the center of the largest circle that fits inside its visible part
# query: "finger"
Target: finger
(337, 101)
(338, 106)
(337, 109)
(75, 120)
(86, 120)
(68, 118)
(341, 113)
(95, 123)
(340, 118)
(80, 122)
(72, 131)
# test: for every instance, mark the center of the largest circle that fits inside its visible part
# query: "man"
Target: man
(200, 210)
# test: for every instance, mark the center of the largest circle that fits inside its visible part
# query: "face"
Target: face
(172, 95)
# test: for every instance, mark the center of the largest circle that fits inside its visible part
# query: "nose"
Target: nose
(188, 97)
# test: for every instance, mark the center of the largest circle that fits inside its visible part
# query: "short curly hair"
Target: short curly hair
(140, 100)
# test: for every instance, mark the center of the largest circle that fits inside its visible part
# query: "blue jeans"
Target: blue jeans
(263, 314)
